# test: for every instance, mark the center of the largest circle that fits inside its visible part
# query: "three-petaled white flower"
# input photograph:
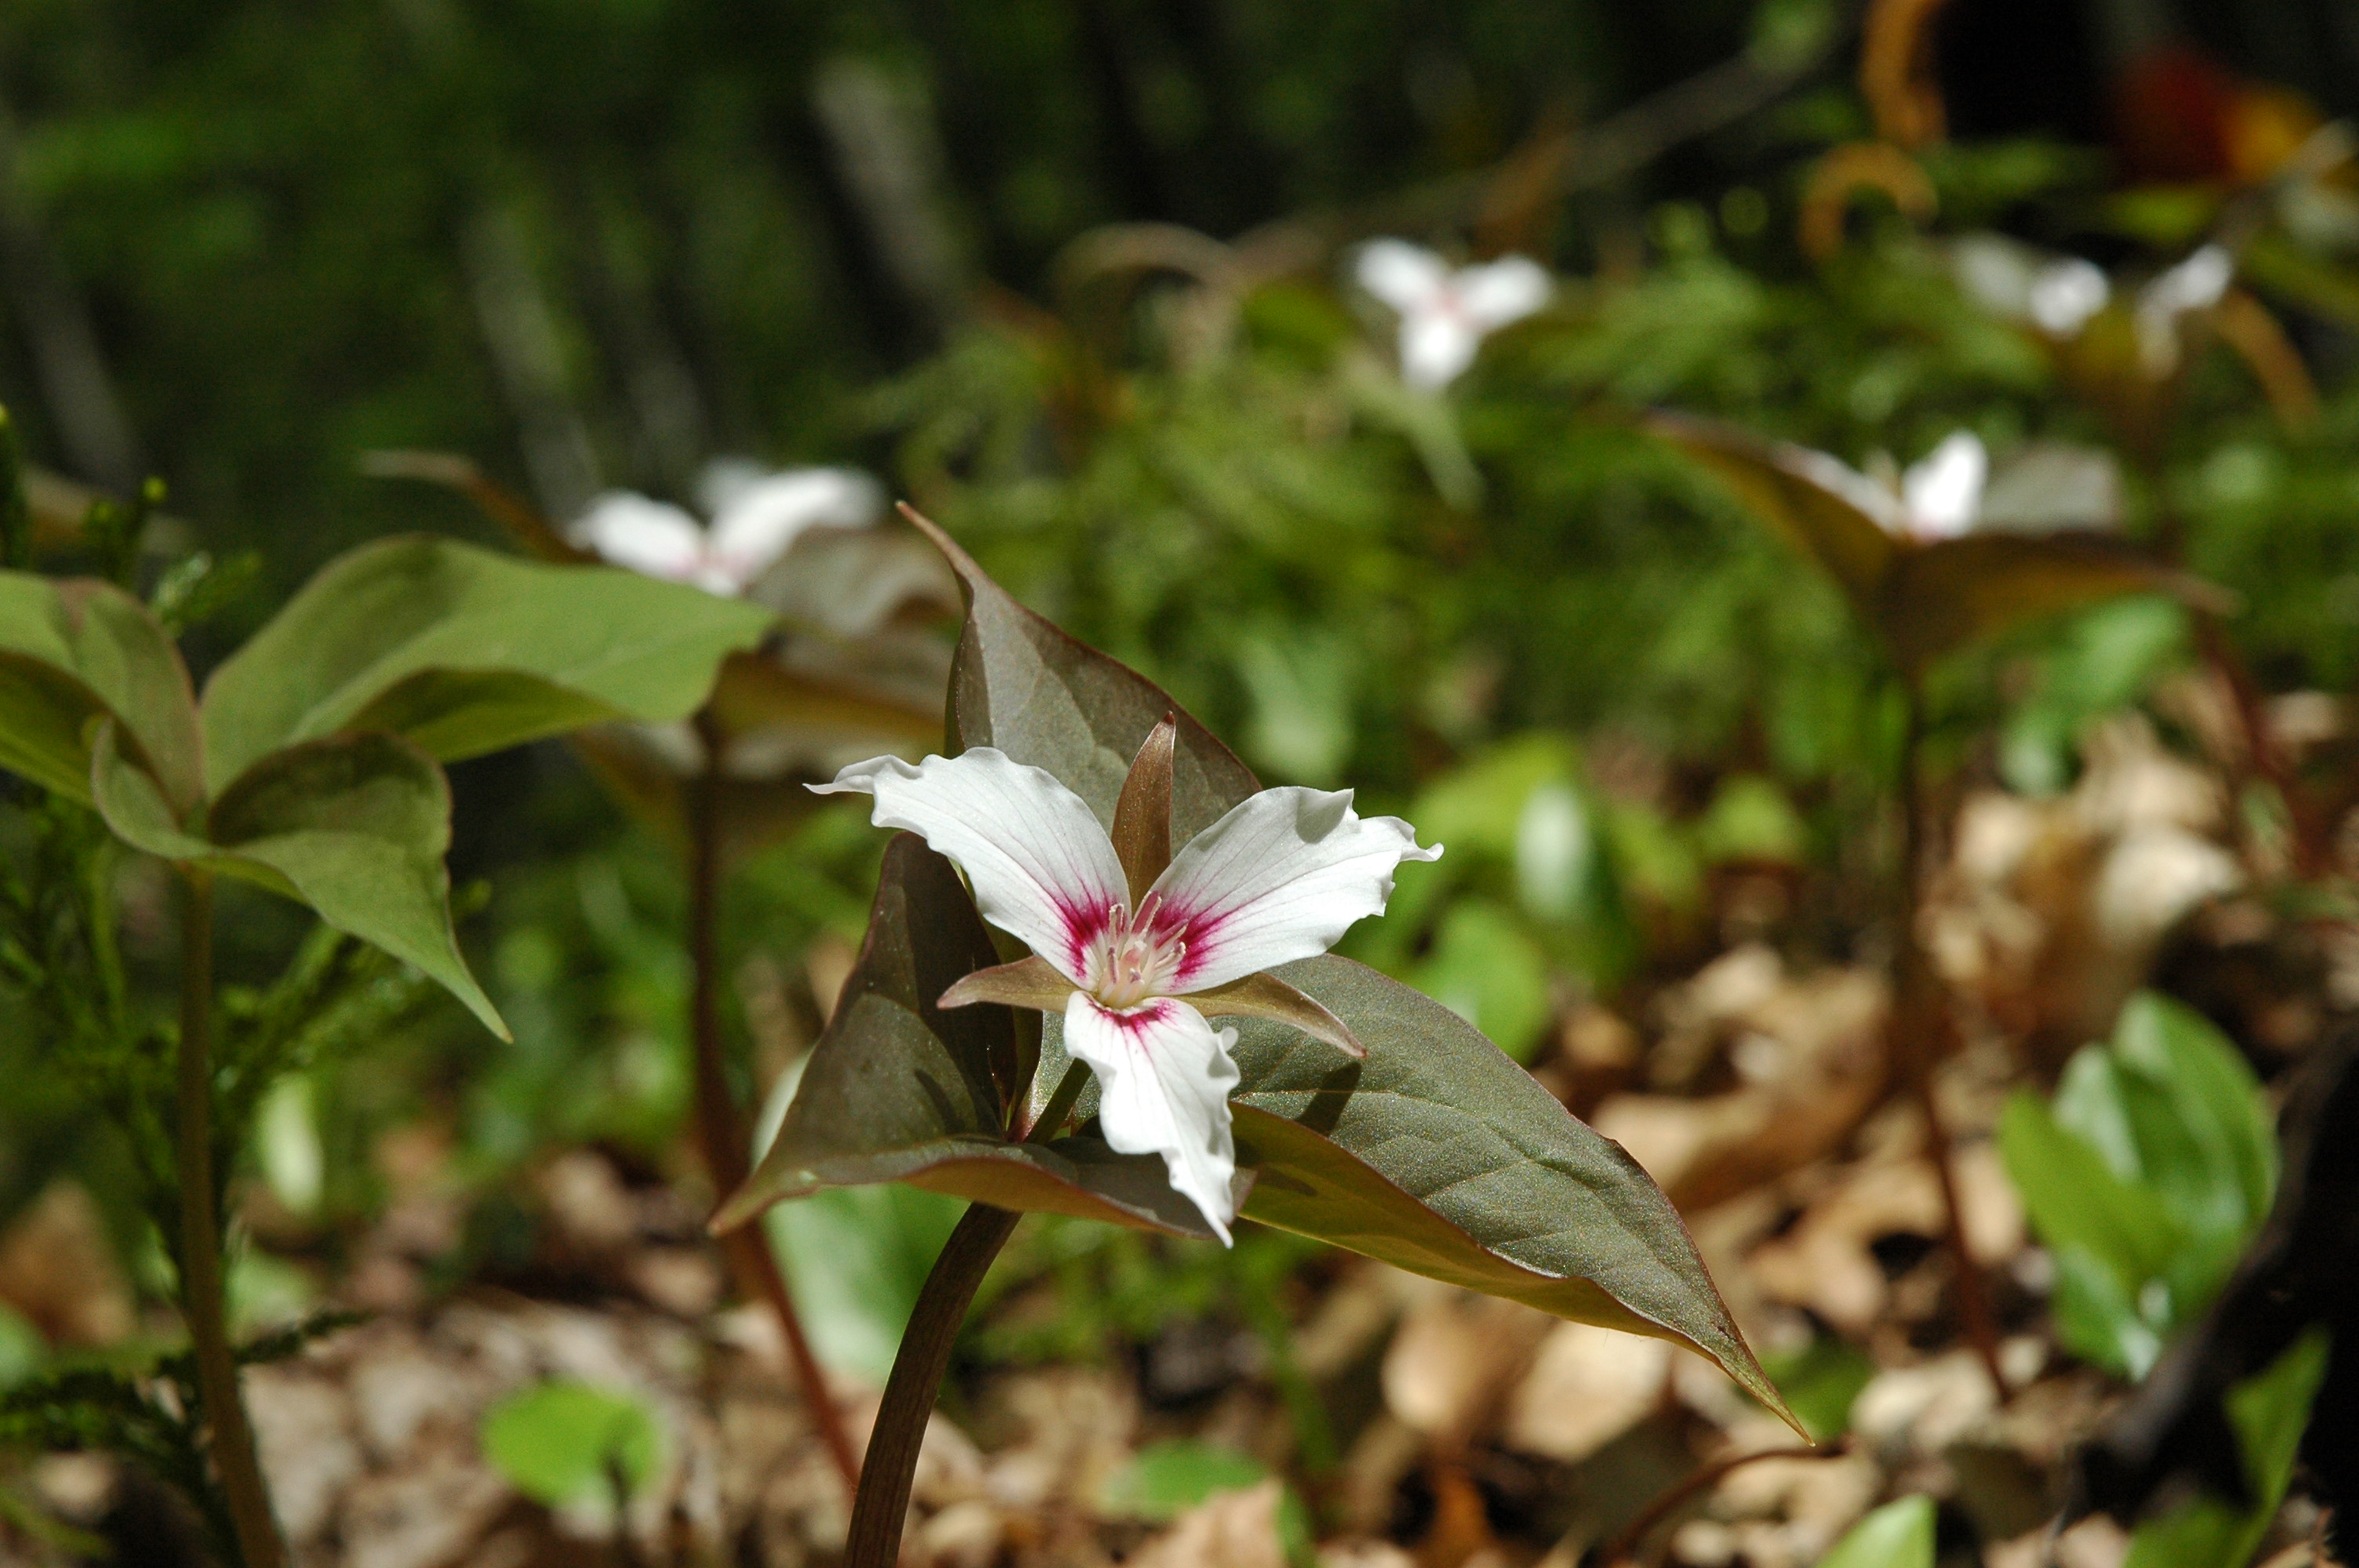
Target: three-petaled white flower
(1446, 314)
(1954, 491)
(757, 518)
(2061, 295)
(1133, 952)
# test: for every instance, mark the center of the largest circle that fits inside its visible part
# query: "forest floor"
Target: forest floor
(1466, 1432)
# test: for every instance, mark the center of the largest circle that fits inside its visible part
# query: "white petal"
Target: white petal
(2064, 294)
(1164, 1077)
(2195, 284)
(1281, 877)
(766, 518)
(645, 535)
(1507, 290)
(1406, 278)
(1944, 494)
(2048, 485)
(723, 481)
(1997, 273)
(1845, 482)
(1042, 868)
(1436, 347)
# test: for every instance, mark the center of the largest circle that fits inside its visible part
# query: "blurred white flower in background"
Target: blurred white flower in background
(2061, 295)
(1446, 313)
(1954, 491)
(757, 515)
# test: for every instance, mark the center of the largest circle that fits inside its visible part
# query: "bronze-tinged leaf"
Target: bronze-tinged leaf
(1142, 817)
(1799, 494)
(1022, 685)
(1440, 1155)
(1943, 596)
(900, 1089)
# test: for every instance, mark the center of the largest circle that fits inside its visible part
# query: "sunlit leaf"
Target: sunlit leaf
(857, 1258)
(465, 651)
(560, 1441)
(73, 653)
(356, 827)
(1438, 1155)
(1897, 1535)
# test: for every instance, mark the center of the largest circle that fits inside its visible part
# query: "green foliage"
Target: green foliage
(1821, 1381)
(462, 652)
(559, 1443)
(1897, 1535)
(145, 1413)
(2269, 1412)
(2144, 1179)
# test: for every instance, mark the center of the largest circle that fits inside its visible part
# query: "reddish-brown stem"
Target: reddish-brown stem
(2262, 759)
(721, 1133)
(202, 1303)
(882, 1503)
(1625, 1543)
(1919, 1025)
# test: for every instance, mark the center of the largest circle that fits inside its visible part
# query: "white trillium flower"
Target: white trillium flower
(757, 518)
(1133, 969)
(2057, 294)
(1954, 491)
(1446, 314)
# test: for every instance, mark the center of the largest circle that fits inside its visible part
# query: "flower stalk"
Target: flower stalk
(882, 1504)
(203, 1293)
(721, 1132)
(1920, 1026)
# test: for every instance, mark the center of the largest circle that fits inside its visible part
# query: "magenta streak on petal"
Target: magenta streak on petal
(1135, 1021)
(1199, 929)
(1084, 925)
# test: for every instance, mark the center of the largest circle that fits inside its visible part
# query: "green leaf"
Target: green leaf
(1438, 1155)
(2207, 1141)
(2270, 1412)
(562, 1442)
(1164, 1480)
(72, 653)
(465, 651)
(1022, 685)
(1897, 1535)
(899, 1090)
(1486, 970)
(2175, 1115)
(2074, 1199)
(857, 1258)
(356, 827)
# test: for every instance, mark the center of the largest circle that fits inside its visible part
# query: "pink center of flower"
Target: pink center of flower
(1130, 959)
